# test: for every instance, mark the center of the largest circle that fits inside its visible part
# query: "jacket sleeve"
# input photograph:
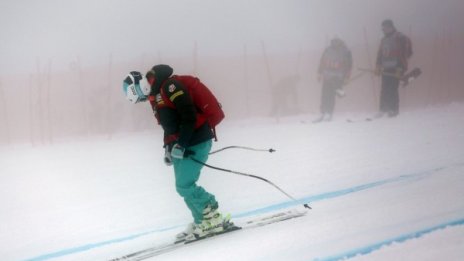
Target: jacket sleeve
(378, 61)
(349, 64)
(406, 50)
(179, 96)
(407, 47)
(322, 63)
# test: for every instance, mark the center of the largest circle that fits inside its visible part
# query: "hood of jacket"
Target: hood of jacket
(161, 73)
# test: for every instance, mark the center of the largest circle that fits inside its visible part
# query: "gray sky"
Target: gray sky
(92, 29)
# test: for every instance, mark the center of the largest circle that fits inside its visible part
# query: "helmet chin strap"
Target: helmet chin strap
(141, 96)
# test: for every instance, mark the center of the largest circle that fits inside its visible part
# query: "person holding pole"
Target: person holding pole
(334, 71)
(392, 62)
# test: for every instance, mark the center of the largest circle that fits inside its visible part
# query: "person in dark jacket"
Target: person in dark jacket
(392, 62)
(334, 70)
(184, 134)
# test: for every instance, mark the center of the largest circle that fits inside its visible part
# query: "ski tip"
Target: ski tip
(178, 241)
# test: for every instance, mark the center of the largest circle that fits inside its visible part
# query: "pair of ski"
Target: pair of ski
(374, 118)
(366, 119)
(246, 224)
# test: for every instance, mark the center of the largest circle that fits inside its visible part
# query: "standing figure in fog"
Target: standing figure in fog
(334, 71)
(284, 96)
(392, 62)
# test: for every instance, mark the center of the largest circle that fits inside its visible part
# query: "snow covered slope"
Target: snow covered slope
(389, 189)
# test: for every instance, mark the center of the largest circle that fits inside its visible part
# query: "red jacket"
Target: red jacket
(336, 61)
(394, 52)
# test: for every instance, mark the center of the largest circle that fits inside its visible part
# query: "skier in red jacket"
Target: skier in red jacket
(186, 133)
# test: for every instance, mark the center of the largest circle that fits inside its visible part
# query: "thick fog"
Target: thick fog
(62, 62)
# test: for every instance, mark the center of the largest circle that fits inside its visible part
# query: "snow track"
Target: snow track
(391, 184)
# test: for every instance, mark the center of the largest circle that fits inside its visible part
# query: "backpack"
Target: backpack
(204, 100)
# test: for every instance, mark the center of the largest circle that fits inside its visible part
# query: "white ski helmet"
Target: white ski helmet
(136, 87)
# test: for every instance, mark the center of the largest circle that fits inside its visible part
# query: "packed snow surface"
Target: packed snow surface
(389, 189)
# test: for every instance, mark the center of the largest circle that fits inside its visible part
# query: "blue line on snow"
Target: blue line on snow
(323, 196)
(370, 248)
(83, 248)
(335, 194)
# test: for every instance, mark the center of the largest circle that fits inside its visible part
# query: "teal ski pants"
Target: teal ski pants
(187, 173)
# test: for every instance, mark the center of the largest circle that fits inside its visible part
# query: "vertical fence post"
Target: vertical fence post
(245, 79)
(48, 103)
(369, 63)
(5, 114)
(109, 122)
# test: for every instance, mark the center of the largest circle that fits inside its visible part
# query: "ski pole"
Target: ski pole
(271, 150)
(381, 72)
(352, 79)
(249, 175)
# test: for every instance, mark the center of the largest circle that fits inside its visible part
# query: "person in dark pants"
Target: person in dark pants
(334, 70)
(389, 96)
(392, 62)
